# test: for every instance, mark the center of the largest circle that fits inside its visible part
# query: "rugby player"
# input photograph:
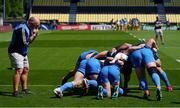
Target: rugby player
(158, 30)
(89, 68)
(84, 55)
(23, 35)
(110, 73)
(144, 58)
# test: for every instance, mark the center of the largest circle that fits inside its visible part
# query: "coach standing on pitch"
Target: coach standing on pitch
(158, 30)
(22, 36)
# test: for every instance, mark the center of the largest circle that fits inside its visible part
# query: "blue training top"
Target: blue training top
(84, 54)
(20, 39)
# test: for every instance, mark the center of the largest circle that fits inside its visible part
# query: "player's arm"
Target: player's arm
(101, 54)
(135, 47)
(120, 62)
(161, 24)
(154, 45)
(109, 59)
(24, 38)
(154, 49)
(123, 46)
(27, 41)
(117, 57)
(34, 35)
(156, 25)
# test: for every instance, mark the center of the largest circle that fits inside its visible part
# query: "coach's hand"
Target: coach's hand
(35, 32)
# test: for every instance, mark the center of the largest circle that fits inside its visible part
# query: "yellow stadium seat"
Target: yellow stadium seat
(50, 3)
(103, 17)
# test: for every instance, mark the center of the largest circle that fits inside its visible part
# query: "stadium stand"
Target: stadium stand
(105, 10)
(50, 3)
(51, 10)
(173, 11)
(107, 17)
(173, 3)
(174, 18)
(102, 11)
(116, 3)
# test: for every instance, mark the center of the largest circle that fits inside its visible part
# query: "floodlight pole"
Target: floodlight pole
(29, 9)
(4, 9)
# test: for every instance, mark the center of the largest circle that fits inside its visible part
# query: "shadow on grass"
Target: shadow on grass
(6, 94)
(9, 94)
(138, 97)
(77, 93)
(175, 102)
(176, 88)
(132, 91)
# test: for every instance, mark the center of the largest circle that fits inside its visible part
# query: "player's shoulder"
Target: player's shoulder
(22, 26)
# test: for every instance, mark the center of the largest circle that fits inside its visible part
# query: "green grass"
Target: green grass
(54, 53)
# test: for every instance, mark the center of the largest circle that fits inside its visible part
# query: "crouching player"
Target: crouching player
(110, 75)
(160, 71)
(84, 55)
(87, 69)
(144, 58)
(126, 70)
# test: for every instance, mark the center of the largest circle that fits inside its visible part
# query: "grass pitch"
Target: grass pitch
(54, 53)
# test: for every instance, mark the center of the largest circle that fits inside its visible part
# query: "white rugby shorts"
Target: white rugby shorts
(159, 32)
(18, 61)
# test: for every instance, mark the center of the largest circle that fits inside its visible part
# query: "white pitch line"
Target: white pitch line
(172, 69)
(134, 36)
(175, 86)
(178, 60)
(170, 47)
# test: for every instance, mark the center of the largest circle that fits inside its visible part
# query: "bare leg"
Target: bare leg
(24, 78)
(68, 76)
(107, 86)
(142, 80)
(78, 78)
(16, 80)
(162, 39)
(156, 38)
